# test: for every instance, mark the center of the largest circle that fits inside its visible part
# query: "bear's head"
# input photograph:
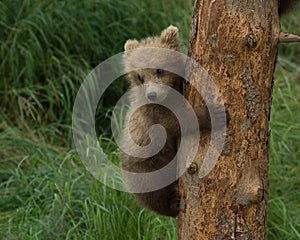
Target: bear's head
(150, 51)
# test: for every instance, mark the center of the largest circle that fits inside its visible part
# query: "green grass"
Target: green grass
(46, 49)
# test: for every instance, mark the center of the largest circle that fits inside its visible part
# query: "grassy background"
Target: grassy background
(46, 49)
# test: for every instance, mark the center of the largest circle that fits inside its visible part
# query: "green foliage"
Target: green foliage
(46, 49)
(284, 169)
(284, 205)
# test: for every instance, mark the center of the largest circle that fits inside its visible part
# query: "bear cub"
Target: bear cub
(149, 98)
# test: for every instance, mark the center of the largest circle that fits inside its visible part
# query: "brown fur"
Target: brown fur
(166, 200)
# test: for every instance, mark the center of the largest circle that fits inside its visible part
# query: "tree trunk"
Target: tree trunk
(236, 42)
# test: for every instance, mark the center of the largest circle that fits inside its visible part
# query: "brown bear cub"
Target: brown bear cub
(149, 98)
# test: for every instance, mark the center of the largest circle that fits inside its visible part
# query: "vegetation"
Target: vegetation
(46, 49)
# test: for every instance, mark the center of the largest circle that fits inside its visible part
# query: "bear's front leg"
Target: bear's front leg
(221, 117)
(164, 201)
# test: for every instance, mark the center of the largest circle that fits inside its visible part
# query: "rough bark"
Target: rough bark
(236, 42)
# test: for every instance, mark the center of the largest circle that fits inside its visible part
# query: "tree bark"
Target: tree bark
(236, 42)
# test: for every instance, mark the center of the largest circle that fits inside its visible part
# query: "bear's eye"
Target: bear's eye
(160, 71)
(140, 78)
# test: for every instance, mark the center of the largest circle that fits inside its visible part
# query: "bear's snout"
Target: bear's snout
(152, 96)
(155, 93)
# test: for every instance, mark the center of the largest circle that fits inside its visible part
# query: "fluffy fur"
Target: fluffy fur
(164, 201)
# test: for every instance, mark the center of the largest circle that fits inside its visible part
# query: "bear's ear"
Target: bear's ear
(170, 37)
(131, 44)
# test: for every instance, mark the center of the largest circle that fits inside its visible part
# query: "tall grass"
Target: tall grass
(284, 169)
(46, 49)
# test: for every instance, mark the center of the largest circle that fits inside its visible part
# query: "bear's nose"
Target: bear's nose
(152, 96)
